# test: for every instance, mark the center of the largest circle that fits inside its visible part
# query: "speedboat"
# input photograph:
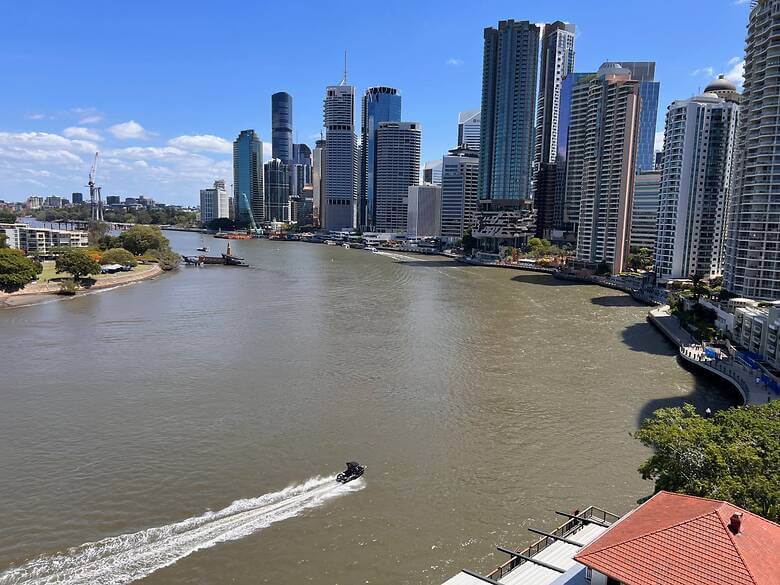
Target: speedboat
(372, 249)
(353, 471)
(203, 249)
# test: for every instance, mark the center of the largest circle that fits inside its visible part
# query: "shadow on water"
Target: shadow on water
(542, 279)
(709, 391)
(643, 337)
(615, 301)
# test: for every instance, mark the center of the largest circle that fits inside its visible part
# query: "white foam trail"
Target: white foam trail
(128, 557)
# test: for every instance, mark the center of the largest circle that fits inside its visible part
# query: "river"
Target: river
(178, 426)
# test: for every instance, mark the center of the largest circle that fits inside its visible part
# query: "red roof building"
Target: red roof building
(674, 539)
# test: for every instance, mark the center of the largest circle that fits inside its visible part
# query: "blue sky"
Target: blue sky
(162, 88)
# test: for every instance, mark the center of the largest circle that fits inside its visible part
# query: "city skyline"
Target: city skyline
(168, 136)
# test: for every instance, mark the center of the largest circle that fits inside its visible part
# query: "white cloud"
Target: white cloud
(130, 130)
(454, 62)
(708, 71)
(736, 74)
(82, 133)
(202, 142)
(740, 2)
(659, 141)
(35, 116)
(267, 151)
(87, 115)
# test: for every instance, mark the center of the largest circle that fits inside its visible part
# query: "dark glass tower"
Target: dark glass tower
(509, 73)
(644, 71)
(380, 104)
(281, 126)
(248, 177)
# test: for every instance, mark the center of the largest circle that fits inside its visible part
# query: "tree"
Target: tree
(168, 259)
(734, 456)
(3, 239)
(118, 256)
(78, 263)
(641, 259)
(7, 216)
(95, 231)
(16, 270)
(221, 223)
(141, 238)
(107, 242)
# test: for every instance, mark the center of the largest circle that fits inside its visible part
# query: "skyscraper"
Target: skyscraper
(432, 172)
(340, 157)
(644, 72)
(459, 178)
(753, 246)
(277, 190)
(423, 211)
(557, 61)
(509, 70)
(300, 168)
(602, 139)
(318, 174)
(644, 215)
(699, 143)
(248, 177)
(380, 104)
(469, 128)
(214, 203)
(397, 168)
(282, 126)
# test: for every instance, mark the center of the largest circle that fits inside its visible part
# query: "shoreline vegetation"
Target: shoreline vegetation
(45, 288)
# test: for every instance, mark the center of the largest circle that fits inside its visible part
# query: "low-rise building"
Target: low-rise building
(39, 241)
(756, 329)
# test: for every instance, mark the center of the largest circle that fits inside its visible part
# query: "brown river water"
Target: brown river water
(186, 429)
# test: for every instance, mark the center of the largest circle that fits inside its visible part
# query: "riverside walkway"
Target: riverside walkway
(731, 369)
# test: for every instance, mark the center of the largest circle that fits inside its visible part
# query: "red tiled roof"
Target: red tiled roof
(674, 539)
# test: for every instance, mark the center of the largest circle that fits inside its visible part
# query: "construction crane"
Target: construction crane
(94, 192)
(256, 231)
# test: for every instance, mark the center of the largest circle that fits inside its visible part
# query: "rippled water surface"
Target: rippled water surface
(177, 430)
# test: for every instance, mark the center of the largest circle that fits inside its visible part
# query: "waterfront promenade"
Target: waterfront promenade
(741, 376)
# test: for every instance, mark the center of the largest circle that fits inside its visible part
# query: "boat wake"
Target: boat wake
(128, 557)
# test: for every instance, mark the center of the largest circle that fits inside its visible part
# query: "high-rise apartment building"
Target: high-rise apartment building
(469, 128)
(602, 139)
(340, 158)
(397, 168)
(77, 198)
(459, 179)
(556, 62)
(509, 72)
(423, 217)
(214, 203)
(248, 177)
(753, 246)
(282, 126)
(276, 176)
(318, 174)
(380, 104)
(644, 215)
(699, 144)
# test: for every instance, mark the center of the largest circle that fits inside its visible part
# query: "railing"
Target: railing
(572, 526)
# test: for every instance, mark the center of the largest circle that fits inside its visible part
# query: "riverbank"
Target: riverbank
(37, 291)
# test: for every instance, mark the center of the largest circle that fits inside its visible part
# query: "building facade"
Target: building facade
(649, 89)
(318, 174)
(276, 177)
(282, 126)
(509, 77)
(380, 104)
(248, 177)
(341, 161)
(77, 198)
(644, 215)
(423, 217)
(35, 241)
(602, 141)
(699, 145)
(469, 128)
(432, 172)
(459, 179)
(753, 246)
(397, 168)
(214, 203)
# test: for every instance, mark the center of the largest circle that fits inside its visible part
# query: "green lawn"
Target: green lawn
(50, 274)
